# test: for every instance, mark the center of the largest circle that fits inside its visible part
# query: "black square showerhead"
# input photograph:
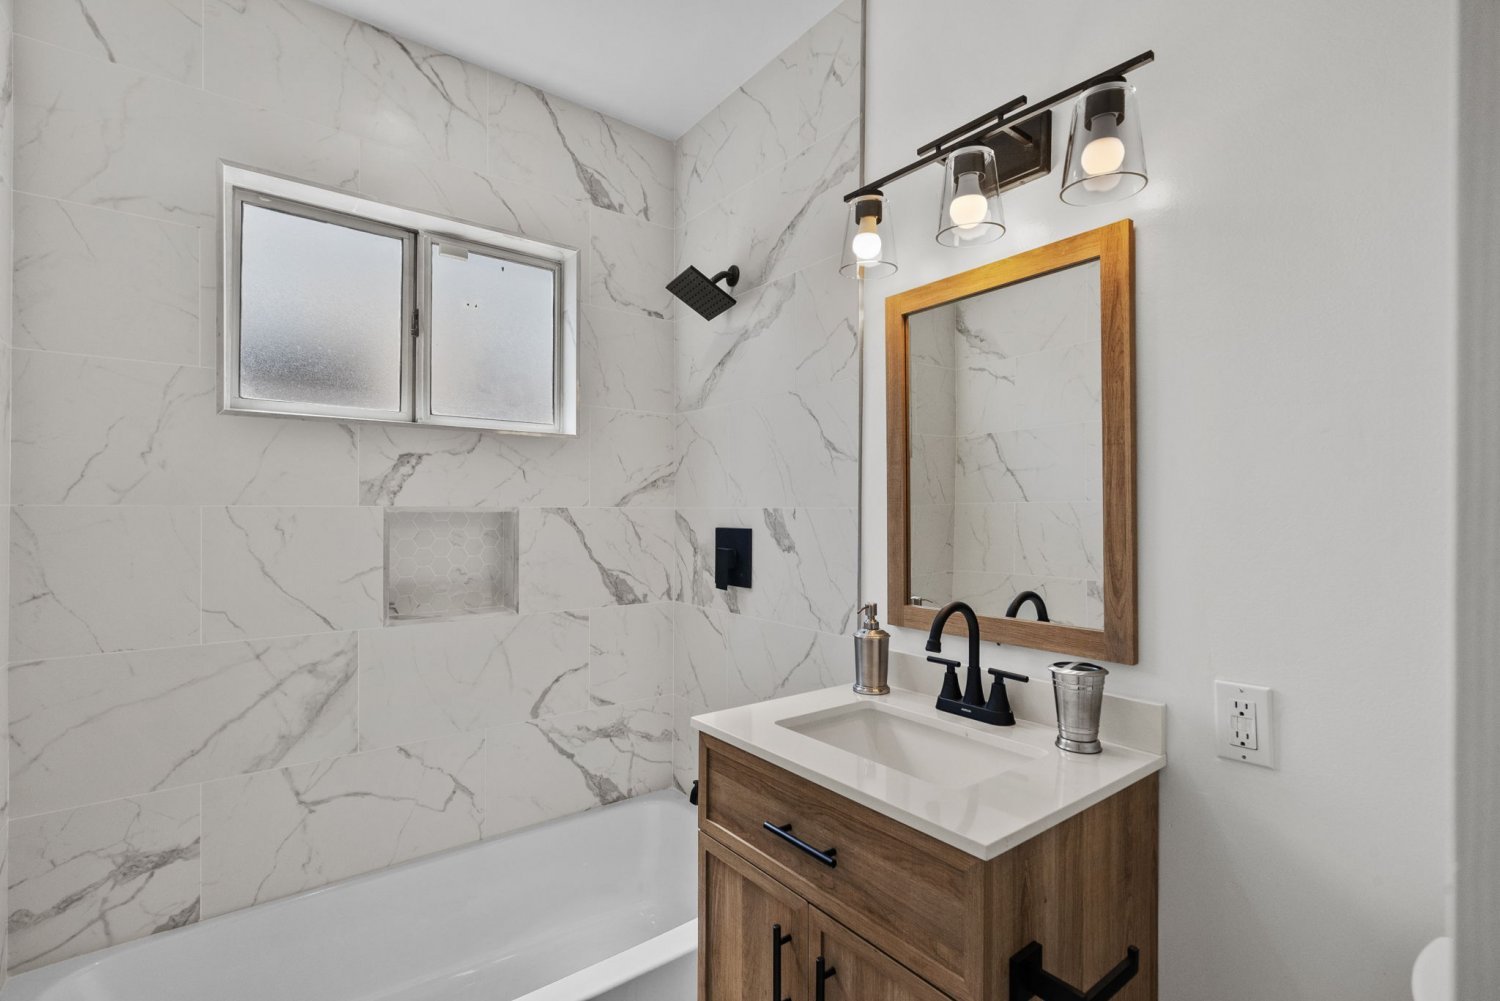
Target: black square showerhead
(702, 293)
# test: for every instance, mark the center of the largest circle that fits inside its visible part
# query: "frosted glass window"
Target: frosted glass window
(321, 314)
(493, 328)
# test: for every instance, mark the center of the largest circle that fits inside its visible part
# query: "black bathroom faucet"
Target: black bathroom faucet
(972, 703)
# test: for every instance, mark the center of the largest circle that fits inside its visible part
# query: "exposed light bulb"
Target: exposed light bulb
(968, 207)
(866, 243)
(1103, 155)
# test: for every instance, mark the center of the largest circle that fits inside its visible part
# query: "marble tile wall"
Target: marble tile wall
(766, 394)
(7, 342)
(206, 709)
(1007, 464)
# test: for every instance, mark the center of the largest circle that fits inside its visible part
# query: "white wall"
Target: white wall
(1295, 347)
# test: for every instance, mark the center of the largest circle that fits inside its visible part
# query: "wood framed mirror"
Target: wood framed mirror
(1010, 430)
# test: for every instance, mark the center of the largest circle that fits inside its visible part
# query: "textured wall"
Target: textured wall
(207, 712)
(7, 174)
(1294, 352)
(767, 434)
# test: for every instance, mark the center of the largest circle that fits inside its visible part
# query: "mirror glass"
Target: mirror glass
(1006, 469)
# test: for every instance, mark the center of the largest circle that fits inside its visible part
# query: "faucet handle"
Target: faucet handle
(998, 675)
(950, 679)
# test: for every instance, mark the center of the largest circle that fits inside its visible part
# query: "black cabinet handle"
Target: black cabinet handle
(823, 973)
(784, 832)
(1028, 979)
(777, 941)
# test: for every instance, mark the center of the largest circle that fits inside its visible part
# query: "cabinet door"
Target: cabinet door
(854, 970)
(752, 932)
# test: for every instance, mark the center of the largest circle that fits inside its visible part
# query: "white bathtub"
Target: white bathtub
(598, 904)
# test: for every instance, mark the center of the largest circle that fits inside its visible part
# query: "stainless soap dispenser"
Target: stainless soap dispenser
(872, 654)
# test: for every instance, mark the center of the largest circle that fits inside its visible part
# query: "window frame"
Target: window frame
(419, 231)
(426, 242)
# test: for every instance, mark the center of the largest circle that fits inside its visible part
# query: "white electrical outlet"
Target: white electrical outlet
(1243, 723)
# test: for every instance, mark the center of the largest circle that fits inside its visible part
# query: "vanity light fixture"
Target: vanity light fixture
(1003, 149)
(869, 250)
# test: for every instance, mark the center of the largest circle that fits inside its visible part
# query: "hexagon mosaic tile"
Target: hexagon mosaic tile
(443, 563)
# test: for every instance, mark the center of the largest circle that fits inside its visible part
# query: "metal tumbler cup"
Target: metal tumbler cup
(1078, 691)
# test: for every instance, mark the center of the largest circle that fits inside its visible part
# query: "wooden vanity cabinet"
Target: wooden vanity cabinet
(902, 916)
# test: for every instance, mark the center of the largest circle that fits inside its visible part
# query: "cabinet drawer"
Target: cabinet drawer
(919, 900)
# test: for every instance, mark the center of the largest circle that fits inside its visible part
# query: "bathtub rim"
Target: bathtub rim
(609, 972)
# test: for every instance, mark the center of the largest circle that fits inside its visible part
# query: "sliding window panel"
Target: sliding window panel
(321, 314)
(492, 327)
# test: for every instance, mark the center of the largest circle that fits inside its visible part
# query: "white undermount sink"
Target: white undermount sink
(951, 754)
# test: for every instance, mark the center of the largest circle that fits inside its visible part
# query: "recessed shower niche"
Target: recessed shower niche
(440, 564)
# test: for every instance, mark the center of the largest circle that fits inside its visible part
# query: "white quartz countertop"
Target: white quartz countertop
(1041, 787)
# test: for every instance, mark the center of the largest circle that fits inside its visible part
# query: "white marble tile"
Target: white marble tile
(630, 263)
(91, 281)
(105, 431)
(792, 449)
(986, 397)
(701, 658)
(786, 220)
(808, 90)
(794, 335)
(768, 660)
(630, 653)
(101, 579)
(625, 360)
(436, 679)
(1060, 540)
(87, 729)
(933, 392)
(435, 467)
(276, 833)
(161, 37)
(932, 539)
(1069, 601)
(561, 765)
(1059, 463)
(933, 469)
(307, 60)
(935, 589)
(984, 537)
(803, 561)
(930, 337)
(632, 459)
(684, 743)
(432, 185)
(574, 558)
(283, 571)
(100, 875)
(540, 139)
(1052, 311)
(1059, 386)
(90, 132)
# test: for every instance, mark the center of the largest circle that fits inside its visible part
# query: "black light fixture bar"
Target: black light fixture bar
(997, 121)
(967, 127)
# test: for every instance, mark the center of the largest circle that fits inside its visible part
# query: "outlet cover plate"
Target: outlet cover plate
(1244, 724)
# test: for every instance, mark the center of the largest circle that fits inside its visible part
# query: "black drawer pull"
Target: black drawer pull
(784, 832)
(777, 941)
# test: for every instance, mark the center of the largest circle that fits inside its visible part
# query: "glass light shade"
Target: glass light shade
(1106, 160)
(869, 244)
(969, 211)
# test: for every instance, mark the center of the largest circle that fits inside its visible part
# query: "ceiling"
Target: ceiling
(658, 64)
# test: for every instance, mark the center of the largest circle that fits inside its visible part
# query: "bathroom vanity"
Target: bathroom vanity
(859, 848)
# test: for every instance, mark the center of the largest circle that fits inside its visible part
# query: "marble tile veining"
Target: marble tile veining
(551, 142)
(297, 57)
(97, 580)
(435, 679)
(630, 653)
(186, 715)
(161, 37)
(435, 467)
(100, 875)
(270, 571)
(141, 276)
(576, 558)
(105, 431)
(275, 833)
